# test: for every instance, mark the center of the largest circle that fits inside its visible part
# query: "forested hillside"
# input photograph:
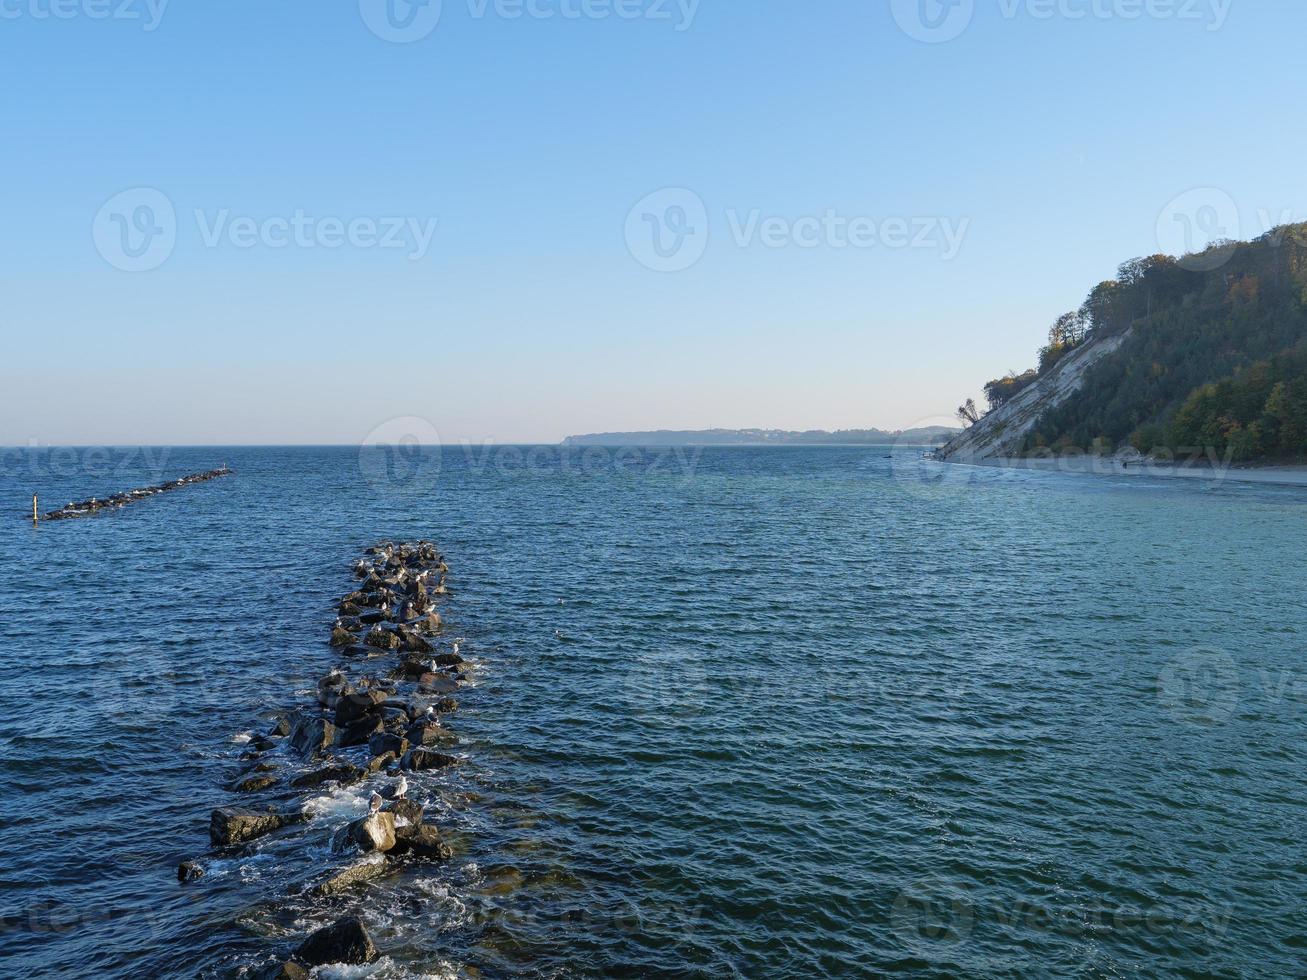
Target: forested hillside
(1216, 356)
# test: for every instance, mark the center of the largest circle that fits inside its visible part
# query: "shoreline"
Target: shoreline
(1287, 475)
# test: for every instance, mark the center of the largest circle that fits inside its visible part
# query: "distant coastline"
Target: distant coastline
(928, 436)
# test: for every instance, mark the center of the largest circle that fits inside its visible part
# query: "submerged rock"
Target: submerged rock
(189, 871)
(254, 783)
(349, 877)
(290, 970)
(344, 941)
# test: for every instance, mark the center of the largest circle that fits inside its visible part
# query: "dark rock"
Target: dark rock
(437, 684)
(311, 734)
(360, 732)
(411, 642)
(382, 639)
(189, 871)
(350, 609)
(421, 759)
(252, 784)
(345, 941)
(448, 660)
(280, 728)
(353, 875)
(338, 772)
(425, 733)
(411, 669)
(352, 708)
(382, 743)
(380, 762)
(341, 637)
(409, 810)
(430, 623)
(233, 825)
(372, 617)
(423, 840)
(261, 743)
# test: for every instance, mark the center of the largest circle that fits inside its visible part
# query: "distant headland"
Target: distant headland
(930, 435)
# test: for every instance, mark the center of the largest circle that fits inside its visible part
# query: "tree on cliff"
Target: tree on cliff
(967, 412)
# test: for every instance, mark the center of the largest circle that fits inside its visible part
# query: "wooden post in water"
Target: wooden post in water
(36, 519)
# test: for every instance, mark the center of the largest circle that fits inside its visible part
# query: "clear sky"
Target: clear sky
(861, 226)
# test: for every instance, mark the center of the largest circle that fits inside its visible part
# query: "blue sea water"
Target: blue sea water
(735, 712)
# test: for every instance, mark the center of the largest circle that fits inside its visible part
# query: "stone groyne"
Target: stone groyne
(373, 725)
(97, 505)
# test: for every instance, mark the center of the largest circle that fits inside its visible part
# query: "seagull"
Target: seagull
(401, 788)
(455, 646)
(374, 804)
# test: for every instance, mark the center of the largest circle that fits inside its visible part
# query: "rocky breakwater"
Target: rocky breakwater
(97, 505)
(375, 725)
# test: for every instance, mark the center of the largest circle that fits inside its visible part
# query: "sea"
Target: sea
(730, 712)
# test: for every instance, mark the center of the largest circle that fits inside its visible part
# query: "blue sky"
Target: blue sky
(993, 177)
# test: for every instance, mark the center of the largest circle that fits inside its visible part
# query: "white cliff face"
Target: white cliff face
(1000, 433)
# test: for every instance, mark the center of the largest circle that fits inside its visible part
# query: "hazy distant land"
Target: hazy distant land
(929, 435)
